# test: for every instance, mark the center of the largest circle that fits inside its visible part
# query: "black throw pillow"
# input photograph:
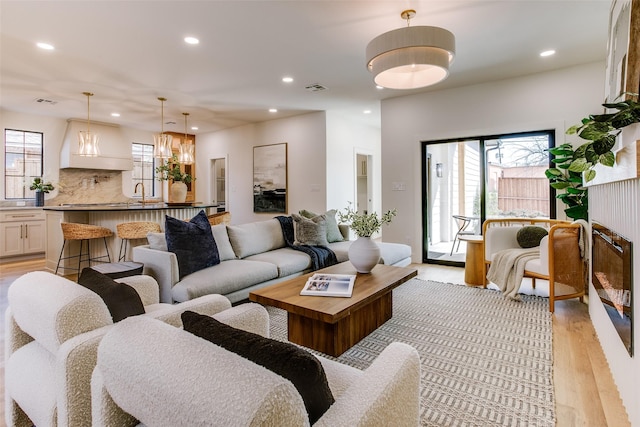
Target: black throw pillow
(287, 360)
(121, 299)
(192, 242)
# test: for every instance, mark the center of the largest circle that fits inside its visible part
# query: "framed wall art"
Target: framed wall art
(623, 55)
(270, 178)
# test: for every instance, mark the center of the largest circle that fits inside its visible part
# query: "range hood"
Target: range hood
(115, 152)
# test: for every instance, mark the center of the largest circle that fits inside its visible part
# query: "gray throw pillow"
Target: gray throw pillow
(333, 231)
(157, 241)
(312, 232)
(530, 236)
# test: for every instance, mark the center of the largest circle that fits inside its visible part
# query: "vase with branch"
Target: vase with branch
(171, 170)
(364, 253)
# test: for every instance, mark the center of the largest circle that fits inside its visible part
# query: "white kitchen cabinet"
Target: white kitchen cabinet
(23, 232)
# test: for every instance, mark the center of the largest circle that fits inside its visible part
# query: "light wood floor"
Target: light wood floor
(585, 392)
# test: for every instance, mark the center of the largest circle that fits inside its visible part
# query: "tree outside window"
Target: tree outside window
(23, 162)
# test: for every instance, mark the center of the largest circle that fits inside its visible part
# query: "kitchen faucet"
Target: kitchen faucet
(135, 190)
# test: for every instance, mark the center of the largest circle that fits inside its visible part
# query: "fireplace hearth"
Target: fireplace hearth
(612, 279)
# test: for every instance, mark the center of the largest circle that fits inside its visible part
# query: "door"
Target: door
(363, 183)
(218, 183)
(11, 238)
(34, 237)
(469, 180)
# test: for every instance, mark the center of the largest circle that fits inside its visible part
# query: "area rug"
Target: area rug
(486, 360)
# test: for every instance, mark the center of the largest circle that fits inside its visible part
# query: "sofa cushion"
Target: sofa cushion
(289, 261)
(255, 237)
(121, 299)
(225, 250)
(530, 236)
(287, 360)
(224, 278)
(192, 242)
(310, 231)
(391, 253)
(333, 231)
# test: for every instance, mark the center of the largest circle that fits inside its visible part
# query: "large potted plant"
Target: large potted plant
(171, 171)
(41, 187)
(364, 253)
(573, 165)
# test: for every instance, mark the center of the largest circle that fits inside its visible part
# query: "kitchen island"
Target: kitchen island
(109, 215)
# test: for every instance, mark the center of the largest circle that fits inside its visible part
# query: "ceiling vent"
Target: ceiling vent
(44, 101)
(315, 87)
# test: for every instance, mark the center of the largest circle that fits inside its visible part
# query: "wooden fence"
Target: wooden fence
(528, 194)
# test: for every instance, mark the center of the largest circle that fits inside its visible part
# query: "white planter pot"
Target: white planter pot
(364, 254)
(178, 192)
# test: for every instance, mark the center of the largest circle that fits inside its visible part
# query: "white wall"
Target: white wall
(306, 152)
(345, 138)
(552, 100)
(321, 161)
(54, 130)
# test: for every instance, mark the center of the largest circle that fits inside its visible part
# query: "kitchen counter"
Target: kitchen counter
(18, 208)
(109, 215)
(100, 207)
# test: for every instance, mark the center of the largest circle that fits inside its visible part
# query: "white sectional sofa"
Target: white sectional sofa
(252, 256)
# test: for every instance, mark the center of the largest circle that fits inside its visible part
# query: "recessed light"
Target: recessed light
(367, 111)
(273, 110)
(191, 40)
(287, 79)
(548, 52)
(45, 46)
(194, 127)
(115, 114)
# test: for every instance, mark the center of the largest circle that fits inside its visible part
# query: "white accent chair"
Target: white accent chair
(559, 262)
(53, 328)
(204, 384)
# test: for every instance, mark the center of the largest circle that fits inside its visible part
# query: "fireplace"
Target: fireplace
(612, 279)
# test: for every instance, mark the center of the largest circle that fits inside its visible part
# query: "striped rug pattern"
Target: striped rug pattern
(486, 360)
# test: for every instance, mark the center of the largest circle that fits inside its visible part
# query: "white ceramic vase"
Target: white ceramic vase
(178, 192)
(364, 254)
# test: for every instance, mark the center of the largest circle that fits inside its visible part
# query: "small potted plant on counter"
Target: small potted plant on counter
(41, 187)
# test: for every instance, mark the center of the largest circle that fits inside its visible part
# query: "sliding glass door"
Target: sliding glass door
(469, 180)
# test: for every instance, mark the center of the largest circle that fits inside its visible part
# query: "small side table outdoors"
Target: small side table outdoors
(474, 268)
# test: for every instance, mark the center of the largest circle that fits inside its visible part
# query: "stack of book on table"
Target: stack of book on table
(329, 285)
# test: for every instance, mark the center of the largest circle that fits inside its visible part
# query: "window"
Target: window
(143, 169)
(22, 162)
(468, 180)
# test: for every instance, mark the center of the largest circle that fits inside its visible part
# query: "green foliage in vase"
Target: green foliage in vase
(38, 184)
(170, 170)
(365, 225)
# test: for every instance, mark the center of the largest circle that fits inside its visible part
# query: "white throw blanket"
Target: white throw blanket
(507, 269)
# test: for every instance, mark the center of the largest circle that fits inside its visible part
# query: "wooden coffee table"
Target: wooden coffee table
(332, 325)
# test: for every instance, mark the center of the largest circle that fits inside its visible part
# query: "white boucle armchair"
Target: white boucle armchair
(206, 385)
(53, 328)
